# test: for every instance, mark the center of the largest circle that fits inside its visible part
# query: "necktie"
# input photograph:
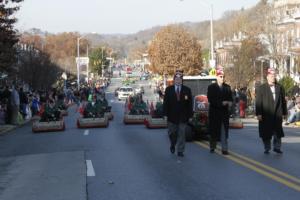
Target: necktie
(178, 94)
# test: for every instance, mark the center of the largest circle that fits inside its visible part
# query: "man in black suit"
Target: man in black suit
(178, 107)
(271, 108)
(220, 100)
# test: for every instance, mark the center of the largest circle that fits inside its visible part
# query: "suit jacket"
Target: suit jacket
(271, 111)
(178, 111)
(218, 113)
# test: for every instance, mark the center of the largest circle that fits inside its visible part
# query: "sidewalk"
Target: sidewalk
(6, 128)
(9, 127)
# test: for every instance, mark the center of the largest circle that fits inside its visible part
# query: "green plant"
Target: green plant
(287, 83)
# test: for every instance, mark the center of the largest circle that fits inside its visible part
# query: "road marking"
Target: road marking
(251, 125)
(89, 168)
(260, 168)
(291, 140)
(86, 132)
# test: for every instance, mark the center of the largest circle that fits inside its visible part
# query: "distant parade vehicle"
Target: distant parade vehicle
(124, 92)
(128, 70)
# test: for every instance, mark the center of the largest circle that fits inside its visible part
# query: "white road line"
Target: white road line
(291, 140)
(89, 168)
(86, 132)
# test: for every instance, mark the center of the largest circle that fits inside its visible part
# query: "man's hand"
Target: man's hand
(285, 117)
(227, 103)
(224, 103)
(259, 117)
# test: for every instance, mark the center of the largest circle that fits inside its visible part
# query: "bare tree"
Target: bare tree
(244, 69)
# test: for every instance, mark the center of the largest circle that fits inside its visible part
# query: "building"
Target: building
(287, 20)
(286, 15)
(225, 48)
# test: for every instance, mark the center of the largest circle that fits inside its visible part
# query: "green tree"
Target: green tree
(36, 68)
(8, 35)
(98, 60)
(288, 84)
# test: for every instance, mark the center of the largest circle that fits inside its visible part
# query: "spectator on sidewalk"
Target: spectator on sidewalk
(6, 98)
(2, 113)
(243, 102)
(23, 102)
(294, 115)
(15, 105)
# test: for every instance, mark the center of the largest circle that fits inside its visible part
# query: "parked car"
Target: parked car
(125, 92)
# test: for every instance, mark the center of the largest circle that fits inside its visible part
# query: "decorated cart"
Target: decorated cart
(51, 120)
(136, 110)
(93, 115)
(156, 118)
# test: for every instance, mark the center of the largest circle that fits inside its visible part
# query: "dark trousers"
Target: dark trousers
(176, 134)
(276, 143)
(224, 142)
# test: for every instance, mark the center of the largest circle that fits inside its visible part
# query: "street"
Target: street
(129, 162)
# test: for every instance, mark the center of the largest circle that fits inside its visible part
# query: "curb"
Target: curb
(8, 127)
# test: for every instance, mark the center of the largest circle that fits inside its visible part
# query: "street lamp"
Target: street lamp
(262, 59)
(212, 60)
(78, 60)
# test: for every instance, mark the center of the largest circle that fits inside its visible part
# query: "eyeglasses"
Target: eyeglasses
(221, 76)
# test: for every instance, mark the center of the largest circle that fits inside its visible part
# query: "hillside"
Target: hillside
(245, 20)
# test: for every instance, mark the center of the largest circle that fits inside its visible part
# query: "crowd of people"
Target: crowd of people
(17, 104)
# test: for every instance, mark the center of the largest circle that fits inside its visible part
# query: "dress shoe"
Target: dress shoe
(266, 152)
(172, 148)
(180, 154)
(212, 150)
(277, 151)
(225, 152)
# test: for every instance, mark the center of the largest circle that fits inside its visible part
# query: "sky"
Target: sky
(118, 16)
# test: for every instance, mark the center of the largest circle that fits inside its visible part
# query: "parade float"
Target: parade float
(136, 110)
(156, 118)
(51, 120)
(94, 115)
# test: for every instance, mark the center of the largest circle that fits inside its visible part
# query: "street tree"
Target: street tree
(62, 48)
(244, 70)
(37, 69)
(174, 48)
(269, 30)
(8, 35)
(98, 61)
(137, 52)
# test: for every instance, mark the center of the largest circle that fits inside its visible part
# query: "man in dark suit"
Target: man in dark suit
(178, 107)
(270, 110)
(220, 100)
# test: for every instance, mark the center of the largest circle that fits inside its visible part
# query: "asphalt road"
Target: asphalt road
(129, 162)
